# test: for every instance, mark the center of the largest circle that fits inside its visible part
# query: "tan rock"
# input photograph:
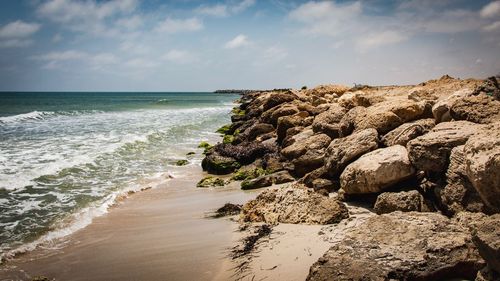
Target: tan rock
(482, 156)
(294, 204)
(431, 152)
(401, 246)
(405, 201)
(377, 170)
(344, 151)
(408, 131)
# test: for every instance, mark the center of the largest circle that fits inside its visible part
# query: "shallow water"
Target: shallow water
(66, 157)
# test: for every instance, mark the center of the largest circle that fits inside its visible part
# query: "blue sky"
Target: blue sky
(188, 45)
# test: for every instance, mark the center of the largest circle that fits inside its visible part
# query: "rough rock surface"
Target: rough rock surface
(486, 236)
(377, 170)
(431, 152)
(459, 194)
(441, 109)
(219, 165)
(315, 142)
(401, 246)
(405, 201)
(408, 131)
(482, 156)
(343, 151)
(294, 204)
(328, 122)
(478, 109)
(267, 180)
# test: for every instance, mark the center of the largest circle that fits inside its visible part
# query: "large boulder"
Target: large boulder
(431, 152)
(343, 151)
(401, 246)
(216, 164)
(309, 161)
(486, 236)
(377, 170)
(408, 131)
(296, 135)
(482, 156)
(287, 122)
(256, 130)
(271, 116)
(441, 109)
(267, 180)
(330, 89)
(388, 115)
(328, 121)
(478, 109)
(294, 204)
(277, 98)
(246, 152)
(315, 142)
(459, 194)
(405, 201)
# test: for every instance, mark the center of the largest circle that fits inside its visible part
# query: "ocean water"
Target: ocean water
(66, 157)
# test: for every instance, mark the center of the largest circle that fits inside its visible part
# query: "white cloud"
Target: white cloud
(493, 27)
(237, 42)
(71, 10)
(178, 56)
(243, 5)
(223, 10)
(379, 39)
(218, 10)
(326, 18)
(63, 56)
(13, 43)
(57, 38)
(18, 29)
(170, 25)
(490, 10)
(134, 47)
(133, 22)
(139, 63)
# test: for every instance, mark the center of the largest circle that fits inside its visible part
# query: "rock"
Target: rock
(182, 162)
(408, 131)
(210, 182)
(377, 170)
(352, 99)
(327, 122)
(324, 184)
(482, 159)
(297, 134)
(344, 151)
(257, 130)
(323, 90)
(441, 109)
(259, 182)
(315, 142)
(228, 209)
(294, 204)
(401, 246)
(267, 180)
(383, 122)
(431, 152)
(272, 162)
(277, 98)
(309, 161)
(285, 110)
(405, 201)
(287, 122)
(459, 194)
(388, 115)
(246, 152)
(486, 236)
(487, 274)
(216, 164)
(478, 109)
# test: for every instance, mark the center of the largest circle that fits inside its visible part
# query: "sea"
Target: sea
(66, 157)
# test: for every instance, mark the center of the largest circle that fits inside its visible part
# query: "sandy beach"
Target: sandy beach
(157, 234)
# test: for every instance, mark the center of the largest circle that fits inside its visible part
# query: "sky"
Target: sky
(189, 45)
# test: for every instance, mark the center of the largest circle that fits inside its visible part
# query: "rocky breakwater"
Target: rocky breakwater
(426, 157)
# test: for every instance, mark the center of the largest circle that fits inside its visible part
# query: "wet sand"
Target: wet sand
(157, 234)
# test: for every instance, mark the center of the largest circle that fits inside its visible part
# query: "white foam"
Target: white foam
(34, 115)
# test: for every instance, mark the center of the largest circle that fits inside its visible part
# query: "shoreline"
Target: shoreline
(155, 234)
